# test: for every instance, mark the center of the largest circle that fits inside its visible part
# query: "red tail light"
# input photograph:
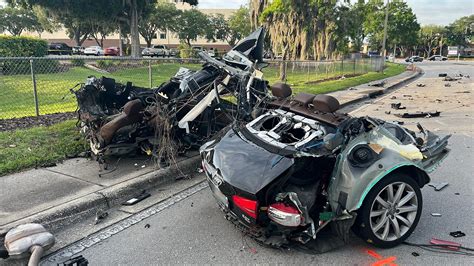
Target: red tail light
(246, 205)
(284, 214)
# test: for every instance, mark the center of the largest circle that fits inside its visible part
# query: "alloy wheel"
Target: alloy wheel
(393, 211)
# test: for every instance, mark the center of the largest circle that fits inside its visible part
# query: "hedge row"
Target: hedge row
(22, 46)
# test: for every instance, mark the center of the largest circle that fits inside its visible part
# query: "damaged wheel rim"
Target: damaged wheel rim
(393, 211)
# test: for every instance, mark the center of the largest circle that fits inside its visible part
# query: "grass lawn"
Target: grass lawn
(16, 93)
(39, 146)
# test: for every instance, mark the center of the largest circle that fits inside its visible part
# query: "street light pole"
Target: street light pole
(384, 52)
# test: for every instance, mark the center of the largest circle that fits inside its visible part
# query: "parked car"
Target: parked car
(78, 50)
(174, 52)
(156, 50)
(414, 58)
(437, 58)
(59, 48)
(113, 51)
(94, 50)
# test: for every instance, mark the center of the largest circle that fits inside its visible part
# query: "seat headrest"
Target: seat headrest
(281, 90)
(304, 98)
(325, 103)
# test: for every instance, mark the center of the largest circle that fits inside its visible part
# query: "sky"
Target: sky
(441, 12)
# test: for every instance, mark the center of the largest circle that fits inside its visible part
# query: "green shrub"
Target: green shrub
(78, 62)
(185, 51)
(19, 46)
(14, 46)
(103, 64)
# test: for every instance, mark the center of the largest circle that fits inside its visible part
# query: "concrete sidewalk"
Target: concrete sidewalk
(365, 91)
(77, 188)
(72, 190)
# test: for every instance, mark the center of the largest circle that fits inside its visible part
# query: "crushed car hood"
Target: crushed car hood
(249, 168)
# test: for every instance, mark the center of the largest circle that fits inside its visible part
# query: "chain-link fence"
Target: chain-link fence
(38, 86)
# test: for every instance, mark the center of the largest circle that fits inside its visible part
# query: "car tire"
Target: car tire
(384, 224)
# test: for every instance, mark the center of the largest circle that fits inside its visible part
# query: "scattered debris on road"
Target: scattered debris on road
(137, 199)
(449, 78)
(415, 254)
(447, 85)
(436, 214)
(100, 215)
(393, 97)
(445, 244)
(397, 106)
(442, 74)
(419, 114)
(457, 234)
(438, 186)
(147, 226)
(420, 85)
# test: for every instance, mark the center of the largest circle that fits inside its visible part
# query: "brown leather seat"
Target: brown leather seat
(132, 113)
(303, 99)
(281, 90)
(325, 103)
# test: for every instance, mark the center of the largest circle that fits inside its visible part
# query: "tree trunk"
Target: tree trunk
(283, 64)
(77, 38)
(120, 40)
(134, 35)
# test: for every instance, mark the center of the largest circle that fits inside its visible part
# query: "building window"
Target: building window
(162, 36)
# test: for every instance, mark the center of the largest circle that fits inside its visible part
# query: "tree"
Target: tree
(402, 28)
(217, 28)
(239, 25)
(231, 30)
(16, 20)
(161, 16)
(99, 31)
(460, 32)
(429, 37)
(190, 25)
(355, 18)
(46, 21)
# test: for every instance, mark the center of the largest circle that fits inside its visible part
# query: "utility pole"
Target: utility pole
(384, 52)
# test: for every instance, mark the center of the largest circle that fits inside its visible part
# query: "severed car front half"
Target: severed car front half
(301, 166)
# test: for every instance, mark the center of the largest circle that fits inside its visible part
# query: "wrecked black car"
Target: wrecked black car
(301, 166)
(179, 115)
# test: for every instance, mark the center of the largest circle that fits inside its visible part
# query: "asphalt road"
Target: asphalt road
(192, 230)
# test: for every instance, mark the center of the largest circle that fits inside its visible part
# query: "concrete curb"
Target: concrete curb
(418, 72)
(73, 211)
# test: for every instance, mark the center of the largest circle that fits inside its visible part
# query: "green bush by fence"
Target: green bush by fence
(19, 46)
(22, 46)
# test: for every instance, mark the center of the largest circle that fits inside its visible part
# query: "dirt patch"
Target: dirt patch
(333, 78)
(33, 121)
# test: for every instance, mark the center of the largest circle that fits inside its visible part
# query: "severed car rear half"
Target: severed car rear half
(301, 166)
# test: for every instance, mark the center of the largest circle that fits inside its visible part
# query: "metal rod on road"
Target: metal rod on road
(35, 92)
